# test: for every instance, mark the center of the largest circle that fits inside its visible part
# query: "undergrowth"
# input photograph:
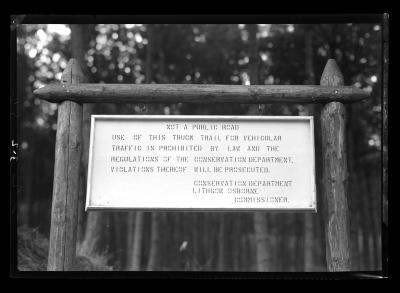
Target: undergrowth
(33, 250)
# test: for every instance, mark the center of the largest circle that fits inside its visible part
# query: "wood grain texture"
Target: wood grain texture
(335, 177)
(199, 93)
(261, 232)
(64, 210)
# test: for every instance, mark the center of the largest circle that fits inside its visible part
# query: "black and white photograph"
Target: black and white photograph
(205, 149)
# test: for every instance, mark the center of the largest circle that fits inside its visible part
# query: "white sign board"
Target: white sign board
(157, 162)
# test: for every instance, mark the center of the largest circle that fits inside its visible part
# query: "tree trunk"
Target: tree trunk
(236, 242)
(139, 220)
(154, 256)
(375, 210)
(93, 231)
(26, 217)
(221, 242)
(291, 251)
(320, 232)
(195, 239)
(89, 232)
(155, 222)
(364, 222)
(130, 229)
(373, 233)
(309, 239)
(298, 236)
(310, 219)
(135, 263)
(87, 110)
(261, 238)
(78, 45)
(282, 240)
(119, 237)
(356, 195)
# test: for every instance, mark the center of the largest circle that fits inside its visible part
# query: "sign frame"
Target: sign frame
(201, 118)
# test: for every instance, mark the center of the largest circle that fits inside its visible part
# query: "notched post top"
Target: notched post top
(73, 73)
(332, 76)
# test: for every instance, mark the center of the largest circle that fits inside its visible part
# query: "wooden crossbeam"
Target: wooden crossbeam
(196, 93)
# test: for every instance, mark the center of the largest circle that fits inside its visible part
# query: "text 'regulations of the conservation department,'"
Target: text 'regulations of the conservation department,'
(201, 162)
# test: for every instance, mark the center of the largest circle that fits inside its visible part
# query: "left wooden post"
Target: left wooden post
(64, 210)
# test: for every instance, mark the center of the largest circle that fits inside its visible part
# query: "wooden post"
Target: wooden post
(64, 209)
(333, 126)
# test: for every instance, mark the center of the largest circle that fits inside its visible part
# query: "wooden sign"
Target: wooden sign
(201, 163)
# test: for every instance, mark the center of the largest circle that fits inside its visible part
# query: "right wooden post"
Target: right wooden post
(335, 175)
